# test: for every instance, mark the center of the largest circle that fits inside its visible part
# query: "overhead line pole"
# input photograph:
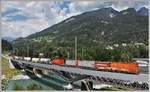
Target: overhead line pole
(76, 51)
(82, 53)
(75, 48)
(27, 50)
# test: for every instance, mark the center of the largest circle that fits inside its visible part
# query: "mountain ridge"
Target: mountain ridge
(90, 25)
(95, 11)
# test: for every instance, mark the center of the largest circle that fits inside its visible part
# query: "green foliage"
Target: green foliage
(143, 51)
(4, 84)
(116, 55)
(6, 46)
(34, 86)
(6, 70)
(17, 87)
(125, 57)
(31, 86)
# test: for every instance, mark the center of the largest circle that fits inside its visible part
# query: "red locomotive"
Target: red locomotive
(58, 61)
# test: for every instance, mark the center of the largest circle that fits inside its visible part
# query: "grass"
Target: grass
(6, 70)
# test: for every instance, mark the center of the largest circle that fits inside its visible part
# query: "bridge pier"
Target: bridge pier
(37, 72)
(86, 85)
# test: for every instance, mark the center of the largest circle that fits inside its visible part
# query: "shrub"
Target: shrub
(34, 86)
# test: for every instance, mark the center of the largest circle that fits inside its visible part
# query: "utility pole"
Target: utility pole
(27, 50)
(75, 48)
(82, 53)
(76, 61)
(68, 55)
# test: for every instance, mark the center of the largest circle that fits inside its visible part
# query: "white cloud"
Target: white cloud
(21, 29)
(47, 13)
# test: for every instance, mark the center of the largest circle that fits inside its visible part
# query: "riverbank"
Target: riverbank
(7, 72)
(20, 77)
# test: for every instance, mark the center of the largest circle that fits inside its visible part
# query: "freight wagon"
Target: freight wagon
(132, 68)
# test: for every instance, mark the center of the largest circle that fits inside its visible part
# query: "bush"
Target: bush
(34, 86)
(17, 87)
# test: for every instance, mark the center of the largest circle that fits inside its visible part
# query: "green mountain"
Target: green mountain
(98, 28)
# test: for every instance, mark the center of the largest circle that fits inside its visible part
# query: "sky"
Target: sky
(22, 18)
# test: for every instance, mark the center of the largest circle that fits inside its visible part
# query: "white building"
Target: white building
(109, 47)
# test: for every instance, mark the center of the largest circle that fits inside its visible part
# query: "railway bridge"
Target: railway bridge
(72, 74)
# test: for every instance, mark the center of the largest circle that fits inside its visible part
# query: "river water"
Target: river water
(47, 82)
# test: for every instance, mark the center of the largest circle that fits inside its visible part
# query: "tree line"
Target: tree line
(97, 53)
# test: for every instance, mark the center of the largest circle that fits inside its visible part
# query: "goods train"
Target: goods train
(132, 68)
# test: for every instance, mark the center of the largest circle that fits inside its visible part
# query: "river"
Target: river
(46, 82)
